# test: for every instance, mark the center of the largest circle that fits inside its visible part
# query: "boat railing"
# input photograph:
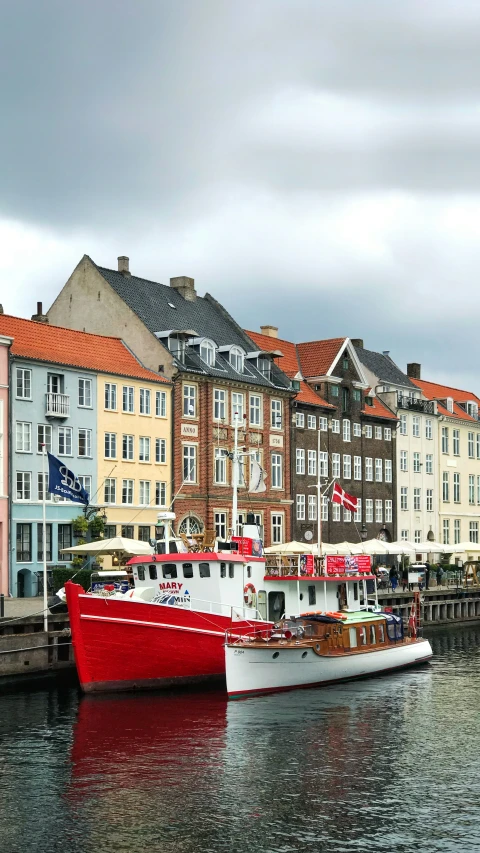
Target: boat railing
(239, 613)
(283, 565)
(285, 632)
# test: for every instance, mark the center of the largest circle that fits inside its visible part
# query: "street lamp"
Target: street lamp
(364, 532)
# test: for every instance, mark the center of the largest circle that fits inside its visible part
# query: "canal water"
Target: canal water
(389, 764)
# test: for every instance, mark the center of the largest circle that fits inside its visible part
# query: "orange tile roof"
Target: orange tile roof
(435, 391)
(316, 357)
(57, 345)
(289, 364)
(379, 410)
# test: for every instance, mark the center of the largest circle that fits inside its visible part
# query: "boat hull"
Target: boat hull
(253, 671)
(125, 645)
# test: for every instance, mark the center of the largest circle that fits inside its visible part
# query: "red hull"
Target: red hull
(123, 645)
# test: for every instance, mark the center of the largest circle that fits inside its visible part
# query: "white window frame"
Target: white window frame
(25, 376)
(160, 404)
(23, 437)
(277, 470)
(277, 521)
(336, 465)
(128, 399)
(347, 430)
(300, 507)
(276, 414)
(255, 410)
(220, 402)
(220, 477)
(110, 445)
(84, 393)
(144, 448)
(388, 471)
(312, 463)
(67, 433)
(300, 460)
(127, 491)
(238, 407)
(299, 420)
(189, 462)
(110, 396)
(311, 422)
(110, 490)
(48, 442)
(368, 469)
(144, 492)
(128, 447)
(87, 436)
(161, 451)
(347, 466)
(379, 470)
(189, 400)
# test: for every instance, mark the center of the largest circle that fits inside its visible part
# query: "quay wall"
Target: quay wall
(448, 606)
(27, 652)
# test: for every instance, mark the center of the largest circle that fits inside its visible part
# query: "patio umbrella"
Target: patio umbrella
(461, 547)
(430, 547)
(111, 546)
(373, 547)
(289, 548)
(401, 547)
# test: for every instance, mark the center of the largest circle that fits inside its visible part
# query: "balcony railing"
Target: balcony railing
(425, 406)
(57, 405)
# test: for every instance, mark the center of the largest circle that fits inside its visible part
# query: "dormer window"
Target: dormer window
(207, 352)
(472, 409)
(177, 348)
(236, 358)
(265, 366)
(449, 404)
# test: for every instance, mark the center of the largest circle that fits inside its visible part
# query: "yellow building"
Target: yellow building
(133, 452)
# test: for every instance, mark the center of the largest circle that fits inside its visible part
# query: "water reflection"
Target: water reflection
(386, 764)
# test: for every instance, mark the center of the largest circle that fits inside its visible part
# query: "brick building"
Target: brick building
(337, 414)
(216, 371)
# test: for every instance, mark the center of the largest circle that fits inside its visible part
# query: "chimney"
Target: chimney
(386, 352)
(123, 265)
(39, 317)
(185, 286)
(414, 370)
(269, 331)
(1, 309)
(357, 342)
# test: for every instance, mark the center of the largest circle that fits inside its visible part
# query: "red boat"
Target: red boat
(170, 628)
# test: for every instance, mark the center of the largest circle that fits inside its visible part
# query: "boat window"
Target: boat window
(152, 572)
(188, 570)
(204, 569)
(249, 571)
(355, 591)
(391, 630)
(381, 634)
(231, 568)
(353, 638)
(312, 598)
(362, 632)
(169, 571)
(223, 570)
(372, 634)
(141, 573)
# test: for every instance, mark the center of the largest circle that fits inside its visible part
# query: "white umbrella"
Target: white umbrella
(111, 546)
(372, 547)
(461, 547)
(289, 548)
(401, 547)
(430, 547)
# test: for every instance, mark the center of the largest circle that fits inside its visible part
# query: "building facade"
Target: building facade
(57, 376)
(134, 453)
(417, 476)
(218, 374)
(343, 431)
(458, 468)
(5, 344)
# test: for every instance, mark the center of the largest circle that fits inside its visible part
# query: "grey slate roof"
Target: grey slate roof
(152, 302)
(383, 367)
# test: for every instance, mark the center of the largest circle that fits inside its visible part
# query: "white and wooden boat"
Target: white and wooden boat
(319, 648)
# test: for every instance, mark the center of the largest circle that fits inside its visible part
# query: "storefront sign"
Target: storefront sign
(348, 565)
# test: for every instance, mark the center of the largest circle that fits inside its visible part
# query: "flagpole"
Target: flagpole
(319, 502)
(44, 538)
(234, 475)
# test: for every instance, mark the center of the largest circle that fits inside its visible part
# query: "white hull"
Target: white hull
(253, 671)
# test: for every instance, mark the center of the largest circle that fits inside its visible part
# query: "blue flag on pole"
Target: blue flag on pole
(64, 483)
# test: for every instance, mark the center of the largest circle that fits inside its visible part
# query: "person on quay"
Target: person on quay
(439, 575)
(427, 574)
(393, 574)
(404, 578)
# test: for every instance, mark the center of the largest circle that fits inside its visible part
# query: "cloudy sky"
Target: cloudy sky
(312, 164)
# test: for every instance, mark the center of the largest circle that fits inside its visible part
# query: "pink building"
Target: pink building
(5, 344)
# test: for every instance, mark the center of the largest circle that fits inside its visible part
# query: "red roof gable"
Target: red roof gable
(316, 357)
(435, 391)
(379, 410)
(289, 364)
(57, 345)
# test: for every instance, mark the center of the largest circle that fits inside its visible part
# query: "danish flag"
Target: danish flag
(339, 496)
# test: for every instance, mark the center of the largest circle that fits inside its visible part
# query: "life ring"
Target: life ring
(248, 593)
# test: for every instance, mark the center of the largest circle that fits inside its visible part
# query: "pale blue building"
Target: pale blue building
(56, 405)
